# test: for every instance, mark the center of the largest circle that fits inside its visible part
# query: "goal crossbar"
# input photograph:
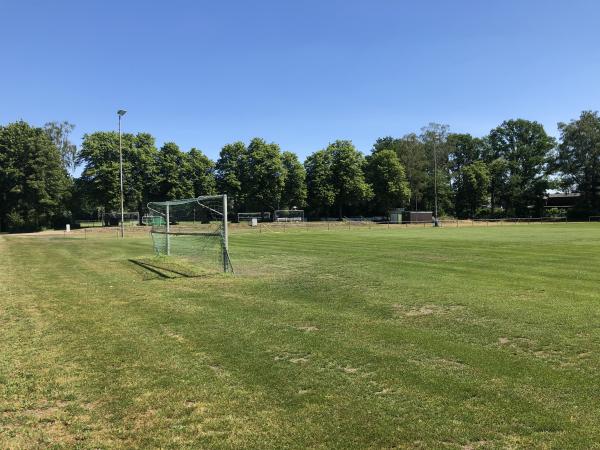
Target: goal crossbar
(188, 233)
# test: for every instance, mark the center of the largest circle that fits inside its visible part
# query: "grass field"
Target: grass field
(418, 338)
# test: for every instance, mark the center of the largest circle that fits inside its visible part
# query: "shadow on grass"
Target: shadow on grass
(159, 268)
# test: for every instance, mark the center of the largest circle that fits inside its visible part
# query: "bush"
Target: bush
(15, 221)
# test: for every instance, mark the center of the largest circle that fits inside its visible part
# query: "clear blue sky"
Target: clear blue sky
(299, 73)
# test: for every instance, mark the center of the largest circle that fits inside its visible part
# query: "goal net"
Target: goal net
(289, 215)
(248, 216)
(114, 218)
(192, 230)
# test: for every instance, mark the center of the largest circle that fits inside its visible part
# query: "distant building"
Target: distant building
(561, 200)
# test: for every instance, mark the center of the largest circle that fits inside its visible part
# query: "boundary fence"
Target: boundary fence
(268, 227)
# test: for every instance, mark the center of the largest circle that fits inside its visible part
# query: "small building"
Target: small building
(417, 217)
(396, 215)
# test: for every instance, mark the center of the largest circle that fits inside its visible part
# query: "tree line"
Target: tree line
(505, 173)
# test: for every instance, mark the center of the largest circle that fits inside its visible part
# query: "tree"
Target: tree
(173, 169)
(472, 187)
(526, 148)
(498, 171)
(294, 187)
(347, 176)
(59, 134)
(386, 175)
(141, 182)
(100, 178)
(231, 172)
(99, 156)
(411, 153)
(463, 149)
(265, 175)
(201, 173)
(34, 186)
(319, 183)
(578, 159)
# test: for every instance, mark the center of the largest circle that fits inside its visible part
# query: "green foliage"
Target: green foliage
(411, 153)
(140, 172)
(231, 172)
(173, 171)
(100, 185)
(201, 172)
(526, 148)
(499, 173)
(578, 159)
(347, 175)
(59, 132)
(99, 156)
(294, 188)
(472, 188)
(265, 176)
(319, 185)
(34, 186)
(464, 149)
(520, 160)
(386, 175)
(435, 141)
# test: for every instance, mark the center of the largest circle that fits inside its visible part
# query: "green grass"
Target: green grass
(419, 338)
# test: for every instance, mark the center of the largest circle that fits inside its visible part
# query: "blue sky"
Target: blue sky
(299, 73)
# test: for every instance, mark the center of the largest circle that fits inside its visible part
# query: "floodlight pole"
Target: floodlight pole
(121, 113)
(435, 182)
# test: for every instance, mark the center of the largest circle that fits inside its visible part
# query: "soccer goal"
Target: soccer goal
(114, 218)
(193, 229)
(289, 215)
(248, 216)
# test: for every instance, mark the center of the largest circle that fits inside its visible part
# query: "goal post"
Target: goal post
(193, 229)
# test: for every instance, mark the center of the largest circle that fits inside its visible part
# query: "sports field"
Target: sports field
(483, 337)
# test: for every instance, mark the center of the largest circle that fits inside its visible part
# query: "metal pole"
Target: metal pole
(225, 235)
(168, 231)
(121, 178)
(435, 181)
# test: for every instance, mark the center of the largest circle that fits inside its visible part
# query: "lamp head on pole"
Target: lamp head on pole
(121, 112)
